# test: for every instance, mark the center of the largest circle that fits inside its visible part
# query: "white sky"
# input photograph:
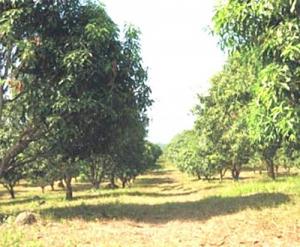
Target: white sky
(180, 54)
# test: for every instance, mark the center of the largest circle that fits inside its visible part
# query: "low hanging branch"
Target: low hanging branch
(30, 134)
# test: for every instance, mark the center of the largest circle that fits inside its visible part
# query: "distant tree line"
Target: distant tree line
(251, 113)
(73, 97)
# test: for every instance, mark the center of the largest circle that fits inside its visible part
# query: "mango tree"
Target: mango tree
(268, 31)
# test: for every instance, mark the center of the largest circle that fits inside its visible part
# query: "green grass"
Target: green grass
(164, 205)
(289, 185)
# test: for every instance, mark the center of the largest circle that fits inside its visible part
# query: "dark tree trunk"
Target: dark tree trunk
(198, 175)
(124, 181)
(11, 191)
(235, 172)
(43, 189)
(95, 177)
(112, 182)
(270, 168)
(96, 185)
(52, 185)
(222, 173)
(69, 189)
(269, 154)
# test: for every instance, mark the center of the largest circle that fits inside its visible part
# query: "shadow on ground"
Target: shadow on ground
(116, 194)
(155, 181)
(102, 194)
(199, 210)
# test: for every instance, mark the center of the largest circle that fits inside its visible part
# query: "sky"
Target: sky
(180, 54)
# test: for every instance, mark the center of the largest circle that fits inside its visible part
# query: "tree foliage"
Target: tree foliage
(220, 140)
(252, 107)
(71, 89)
(270, 31)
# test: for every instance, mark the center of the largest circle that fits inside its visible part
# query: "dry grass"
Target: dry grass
(163, 208)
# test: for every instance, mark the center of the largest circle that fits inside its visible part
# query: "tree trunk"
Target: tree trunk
(198, 175)
(112, 182)
(235, 172)
(52, 185)
(269, 155)
(96, 185)
(124, 183)
(12, 194)
(222, 174)
(69, 189)
(43, 189)
(270, 168)
(10, 189)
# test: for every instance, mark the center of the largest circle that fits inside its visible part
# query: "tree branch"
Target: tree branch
(30, 134)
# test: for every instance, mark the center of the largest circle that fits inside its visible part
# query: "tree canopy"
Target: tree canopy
(72, 86)
(252, 107)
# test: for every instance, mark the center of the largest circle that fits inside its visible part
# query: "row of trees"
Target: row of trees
(251, 113)
(95, 170)
(73, 95)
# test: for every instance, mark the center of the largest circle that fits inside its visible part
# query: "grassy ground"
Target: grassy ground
(163, 208)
